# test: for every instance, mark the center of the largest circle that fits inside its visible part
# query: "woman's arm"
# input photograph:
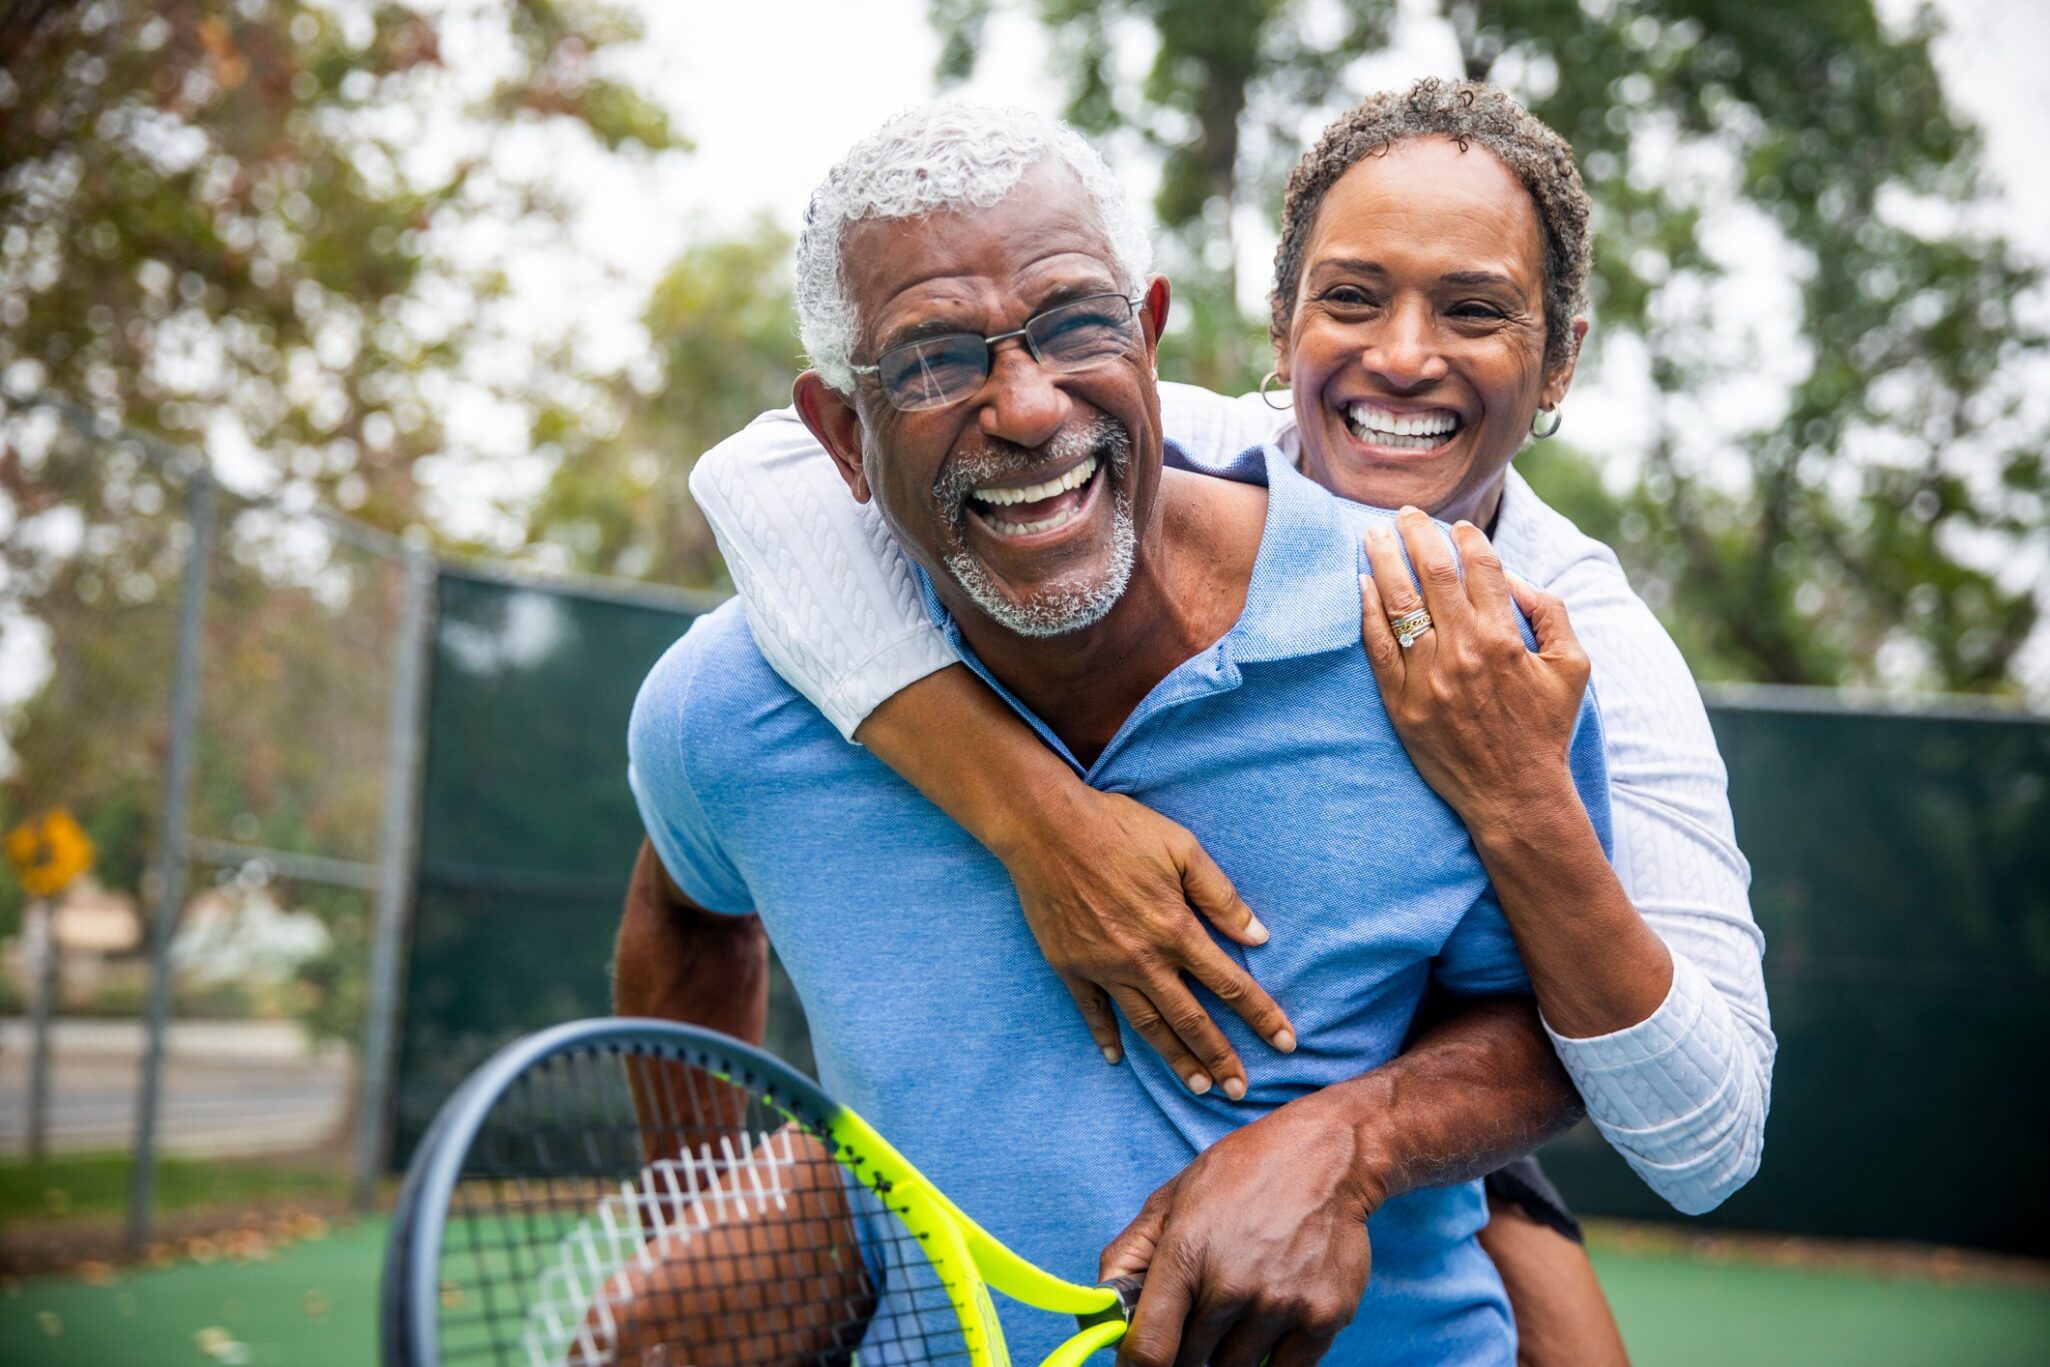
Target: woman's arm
(1489, 722)
(1675, 851)
(831, 600)
(1106, 885)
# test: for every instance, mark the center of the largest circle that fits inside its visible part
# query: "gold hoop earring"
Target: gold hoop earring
(1558, 421)
(1270, 378)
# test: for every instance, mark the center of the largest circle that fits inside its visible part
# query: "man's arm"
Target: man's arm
(677, 961)
(1259, 1247)
(737, 1287)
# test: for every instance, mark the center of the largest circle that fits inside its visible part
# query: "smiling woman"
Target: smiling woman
(1420, 331)
(1427, 309)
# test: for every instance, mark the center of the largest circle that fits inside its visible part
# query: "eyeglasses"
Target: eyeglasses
(933, 372)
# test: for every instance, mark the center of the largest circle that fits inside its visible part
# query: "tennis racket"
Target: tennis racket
(637, 1193)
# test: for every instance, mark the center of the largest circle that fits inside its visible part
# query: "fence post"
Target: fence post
(41, 943)
(394, 884)
(170, 870)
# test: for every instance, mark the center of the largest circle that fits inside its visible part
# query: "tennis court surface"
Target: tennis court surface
(314, 1305)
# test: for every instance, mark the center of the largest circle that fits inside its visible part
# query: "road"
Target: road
(230, 1087)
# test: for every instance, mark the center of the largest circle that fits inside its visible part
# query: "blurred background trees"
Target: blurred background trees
(722, 323)
(221, 225)
(227, 225)
(1864, 528)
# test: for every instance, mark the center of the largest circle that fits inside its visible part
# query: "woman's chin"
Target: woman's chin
(1392, 479)
(1437, 480)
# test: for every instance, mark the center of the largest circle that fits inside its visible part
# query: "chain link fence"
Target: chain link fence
(220, 693)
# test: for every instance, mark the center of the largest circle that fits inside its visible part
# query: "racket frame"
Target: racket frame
(967, 1258)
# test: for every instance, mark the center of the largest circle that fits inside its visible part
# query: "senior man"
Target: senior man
(986, 375)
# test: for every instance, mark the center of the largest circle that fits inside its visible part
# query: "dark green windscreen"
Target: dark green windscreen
(1901, 870)
(1901, 873)
(527, 828)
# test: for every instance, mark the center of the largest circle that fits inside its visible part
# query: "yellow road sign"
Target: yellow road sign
(49, 852)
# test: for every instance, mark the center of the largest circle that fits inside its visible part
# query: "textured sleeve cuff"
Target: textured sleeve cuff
(892, 668)
(833, 604)
(1664, 1068)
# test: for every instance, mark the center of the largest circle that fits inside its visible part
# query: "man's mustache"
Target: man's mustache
(996, 459)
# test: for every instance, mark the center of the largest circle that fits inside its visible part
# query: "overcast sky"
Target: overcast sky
(772, 91)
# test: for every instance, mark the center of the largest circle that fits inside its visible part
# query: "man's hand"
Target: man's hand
(1257, 1251)
(1259, 1247)
(1107, 886)
(734, 1283)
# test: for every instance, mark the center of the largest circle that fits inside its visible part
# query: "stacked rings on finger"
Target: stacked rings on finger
(1410, 626)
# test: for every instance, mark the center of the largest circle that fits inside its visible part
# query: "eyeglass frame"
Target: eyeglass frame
(990, 341)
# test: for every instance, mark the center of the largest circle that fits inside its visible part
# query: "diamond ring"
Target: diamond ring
(1410, 626)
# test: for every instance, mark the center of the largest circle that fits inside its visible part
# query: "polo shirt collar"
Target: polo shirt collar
(1304, 597)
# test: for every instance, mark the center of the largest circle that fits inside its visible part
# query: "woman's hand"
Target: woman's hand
(1488, 722)
(1108, 886)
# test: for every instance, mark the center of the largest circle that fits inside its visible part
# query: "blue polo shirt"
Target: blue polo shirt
(933, 1012)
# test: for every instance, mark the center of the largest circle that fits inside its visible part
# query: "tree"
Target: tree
(223, 225)
(223, 215)
(1845, 541)
(722, 323)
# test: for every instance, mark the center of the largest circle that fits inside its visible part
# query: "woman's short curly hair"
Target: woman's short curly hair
(1469, 113)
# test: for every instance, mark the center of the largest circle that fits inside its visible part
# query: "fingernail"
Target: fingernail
(1284, 1040)
(1199, 1083)
(1464, 523)
(1235, 1088)
(1254, 931)
(1410, 508)
(1112, 1057)
(1377, 531)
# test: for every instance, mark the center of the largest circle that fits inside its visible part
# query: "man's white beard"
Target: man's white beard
(1059, 608)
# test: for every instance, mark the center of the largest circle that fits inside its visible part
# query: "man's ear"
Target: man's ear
(832, 418)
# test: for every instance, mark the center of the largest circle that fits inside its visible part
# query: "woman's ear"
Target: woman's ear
(1561, 379)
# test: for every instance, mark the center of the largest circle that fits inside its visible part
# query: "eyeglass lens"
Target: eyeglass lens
(935, 371)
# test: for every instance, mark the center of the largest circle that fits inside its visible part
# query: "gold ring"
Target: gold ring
(1410, 626)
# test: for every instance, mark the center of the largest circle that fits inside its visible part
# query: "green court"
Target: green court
(315, 1305)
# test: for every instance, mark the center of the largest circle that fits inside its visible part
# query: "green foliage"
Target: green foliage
(336, 981)
(218, 213)
(725, 347)
(1857, 522)
(220, 226)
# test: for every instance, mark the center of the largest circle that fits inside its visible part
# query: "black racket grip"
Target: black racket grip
(1127, 1289)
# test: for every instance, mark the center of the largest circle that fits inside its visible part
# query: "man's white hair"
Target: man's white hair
(939, 157)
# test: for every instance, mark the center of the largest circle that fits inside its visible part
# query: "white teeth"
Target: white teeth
(1032, 493)
(1407, 431)
(1045, 524)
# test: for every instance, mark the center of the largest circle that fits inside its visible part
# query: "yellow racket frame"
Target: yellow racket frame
(969, 1259)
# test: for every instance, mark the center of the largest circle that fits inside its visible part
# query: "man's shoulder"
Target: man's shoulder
(716, 653)
(714, 696)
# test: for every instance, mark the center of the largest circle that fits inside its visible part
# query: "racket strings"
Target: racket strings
(638, 1210)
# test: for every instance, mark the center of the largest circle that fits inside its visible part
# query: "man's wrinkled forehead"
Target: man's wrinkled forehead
(1044, 233)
